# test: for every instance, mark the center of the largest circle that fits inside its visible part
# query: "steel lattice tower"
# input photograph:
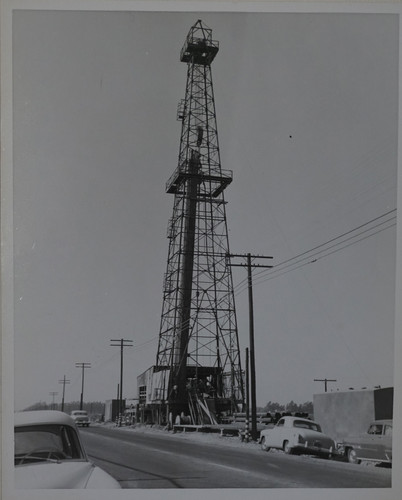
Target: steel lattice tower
(198, 340)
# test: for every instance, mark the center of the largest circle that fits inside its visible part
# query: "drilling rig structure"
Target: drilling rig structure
(198, 377)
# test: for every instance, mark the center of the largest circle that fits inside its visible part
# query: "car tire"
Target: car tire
(352, 458)
(264, 446)
(286, 448)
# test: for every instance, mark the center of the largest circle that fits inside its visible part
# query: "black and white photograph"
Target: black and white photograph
(200, 273)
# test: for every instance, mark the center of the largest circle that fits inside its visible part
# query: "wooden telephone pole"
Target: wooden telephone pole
(250, 265)
(122, 343)
(64, 382)
(325, 380)
(83, 366)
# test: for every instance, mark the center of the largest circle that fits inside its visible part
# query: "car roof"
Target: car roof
(39, 417)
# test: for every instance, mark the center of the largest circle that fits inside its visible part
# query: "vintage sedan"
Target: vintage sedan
(375, 445)
(297, 435)
(48, 453)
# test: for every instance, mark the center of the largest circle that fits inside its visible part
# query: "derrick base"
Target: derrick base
(205, 401)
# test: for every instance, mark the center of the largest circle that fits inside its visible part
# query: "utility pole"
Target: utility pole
(122, 343)
(249, 264)
(53, 394)
(247, 431)
(325, 380)
(64, 382)
(83, 366)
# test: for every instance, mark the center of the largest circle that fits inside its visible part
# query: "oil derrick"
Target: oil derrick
(198, 357)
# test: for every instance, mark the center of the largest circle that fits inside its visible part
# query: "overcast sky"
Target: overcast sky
(307, 111)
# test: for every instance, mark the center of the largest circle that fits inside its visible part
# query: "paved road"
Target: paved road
(165, 460)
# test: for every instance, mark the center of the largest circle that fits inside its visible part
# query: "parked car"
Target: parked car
(48, 453)
(297, 435)
(375, 445)
(80, 417)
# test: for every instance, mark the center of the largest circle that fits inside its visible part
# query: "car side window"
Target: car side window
(375, 429)
(280, 423)
(388, 430)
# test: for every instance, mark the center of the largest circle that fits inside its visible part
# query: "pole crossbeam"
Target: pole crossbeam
(325, 380)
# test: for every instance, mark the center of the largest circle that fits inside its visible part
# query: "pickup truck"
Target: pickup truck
(80, 418)
(375, 445)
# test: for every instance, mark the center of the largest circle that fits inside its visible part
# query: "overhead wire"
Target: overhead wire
(259, 281)
(307, 255)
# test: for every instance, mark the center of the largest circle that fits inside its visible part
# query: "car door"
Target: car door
(388, 441)
(276, 434)
(373, 445)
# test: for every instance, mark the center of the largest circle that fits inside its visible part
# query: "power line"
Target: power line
(308, 254)
(303, 263)
(342, 236)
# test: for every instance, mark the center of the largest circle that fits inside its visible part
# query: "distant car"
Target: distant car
(48, 454)
(297, 435)
(375, 445)
(80, 417)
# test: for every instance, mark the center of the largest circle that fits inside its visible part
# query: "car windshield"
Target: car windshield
(303, 424)
(80, 413)
(38, 443)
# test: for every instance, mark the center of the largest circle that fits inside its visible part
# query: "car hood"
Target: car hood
(63, 475)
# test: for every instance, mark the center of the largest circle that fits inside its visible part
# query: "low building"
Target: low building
(112, 409)
(349, 413)
(152, 395)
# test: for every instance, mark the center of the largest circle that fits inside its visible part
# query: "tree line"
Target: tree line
(291, 407)
(93, 408)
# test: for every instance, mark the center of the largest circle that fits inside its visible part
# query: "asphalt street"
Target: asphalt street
(166, 460)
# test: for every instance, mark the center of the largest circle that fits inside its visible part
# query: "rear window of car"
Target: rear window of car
(312, 426)
(79, 413)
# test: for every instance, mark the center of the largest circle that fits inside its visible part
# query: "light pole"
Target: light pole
(82, 366)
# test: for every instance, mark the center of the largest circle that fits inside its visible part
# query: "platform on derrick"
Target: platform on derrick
(218, 182)
(199, 48)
